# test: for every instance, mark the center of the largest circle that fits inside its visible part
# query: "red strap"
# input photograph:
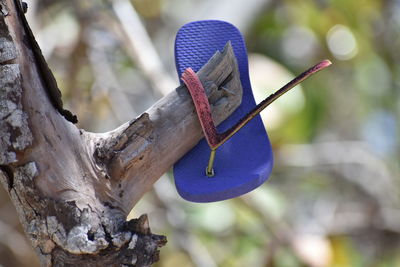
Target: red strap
(203, 109)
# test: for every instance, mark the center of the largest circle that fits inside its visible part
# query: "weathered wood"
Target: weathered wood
(73, 189)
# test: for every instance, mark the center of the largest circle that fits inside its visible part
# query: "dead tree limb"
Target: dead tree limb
(73, 189)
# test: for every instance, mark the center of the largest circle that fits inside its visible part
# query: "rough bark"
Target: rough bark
(73, 189)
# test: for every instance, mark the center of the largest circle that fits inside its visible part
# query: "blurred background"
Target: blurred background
(333, 197)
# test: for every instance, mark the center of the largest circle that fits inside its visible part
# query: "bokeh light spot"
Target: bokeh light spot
(341, 42)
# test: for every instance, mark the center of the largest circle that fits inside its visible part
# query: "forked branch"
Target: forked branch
(73, 189)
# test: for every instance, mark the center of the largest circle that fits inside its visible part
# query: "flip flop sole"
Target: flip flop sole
(245, 161)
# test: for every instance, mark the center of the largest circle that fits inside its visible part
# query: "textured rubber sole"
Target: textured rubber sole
(245, 161)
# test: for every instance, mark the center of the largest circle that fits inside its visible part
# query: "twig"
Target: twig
(203, 109)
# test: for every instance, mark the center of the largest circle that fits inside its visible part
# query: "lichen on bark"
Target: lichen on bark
(14, 129)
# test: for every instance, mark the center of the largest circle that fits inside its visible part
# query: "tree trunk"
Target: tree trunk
(73, 189)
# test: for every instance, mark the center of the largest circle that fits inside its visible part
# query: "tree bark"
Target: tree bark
(73, 189)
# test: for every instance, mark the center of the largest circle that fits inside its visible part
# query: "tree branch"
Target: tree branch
(145, 148)
(73, 189)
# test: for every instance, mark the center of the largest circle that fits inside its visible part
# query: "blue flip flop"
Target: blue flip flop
(245, 161)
